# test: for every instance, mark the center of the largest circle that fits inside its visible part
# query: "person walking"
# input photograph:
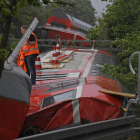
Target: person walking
(30, 50)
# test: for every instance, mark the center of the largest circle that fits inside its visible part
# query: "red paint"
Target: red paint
(69, 24)
(46, 117)
(95, 110)
(70, 33)
(12, 117)
(52, 33)
(59, 20)
(94, 106)
(61, 57)
(80, 37)
(105, 52)
(38, 63)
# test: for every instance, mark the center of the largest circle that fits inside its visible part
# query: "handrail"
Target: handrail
(97, 41)
(73, 44)
(132, 70)
(104, 130)
(136, 99)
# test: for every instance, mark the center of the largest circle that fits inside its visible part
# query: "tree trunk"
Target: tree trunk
(5, 34)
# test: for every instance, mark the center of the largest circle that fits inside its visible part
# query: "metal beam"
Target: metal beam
(105, 130)
(64, 44)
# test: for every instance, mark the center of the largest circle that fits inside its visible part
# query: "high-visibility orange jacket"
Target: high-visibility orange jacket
(21, 61)
(30, 49)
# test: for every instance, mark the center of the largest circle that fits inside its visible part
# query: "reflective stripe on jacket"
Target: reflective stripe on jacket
(21, 61)
(30, 49)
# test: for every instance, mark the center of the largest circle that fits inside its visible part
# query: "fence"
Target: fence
(98, 44)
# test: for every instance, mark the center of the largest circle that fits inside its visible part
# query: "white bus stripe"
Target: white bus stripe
(75, 102)
(76, 113)
(80, 86)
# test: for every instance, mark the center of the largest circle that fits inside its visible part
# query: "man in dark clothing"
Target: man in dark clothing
(31, 51)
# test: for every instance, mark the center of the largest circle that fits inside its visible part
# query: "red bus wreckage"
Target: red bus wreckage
(65, 93)
(71, 94)
(64, 27)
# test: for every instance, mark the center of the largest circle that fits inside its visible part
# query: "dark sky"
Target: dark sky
(99, 5)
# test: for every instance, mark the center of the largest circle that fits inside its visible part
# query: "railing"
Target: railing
(98, 44)
(114, 129)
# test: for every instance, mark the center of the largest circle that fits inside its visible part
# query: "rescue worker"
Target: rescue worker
(30, 50)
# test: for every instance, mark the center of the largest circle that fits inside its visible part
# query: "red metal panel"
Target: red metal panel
(79, 37)
(63, 117)
(51, 117)
(61, 114)
(61, 57)
(105, 52)
(94, 83)
(35, 101)
(92, 105)
(95, 110)
(12, 117)
(59, 20)
(63, 35)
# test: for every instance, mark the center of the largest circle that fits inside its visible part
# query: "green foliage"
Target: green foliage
(22, 12)
(122, 17)
(130, 44)
(128, 79)
(93, 33)
(3, 55)
(8, 50)
(121, 23)
(99, 32)
(3, 52)
(26, 15)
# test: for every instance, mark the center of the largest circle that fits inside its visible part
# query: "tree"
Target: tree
(10, 9)
(82, 10)
(93, 33)
(130, 44)
(123, 27)
(122, 17)
(26, 15)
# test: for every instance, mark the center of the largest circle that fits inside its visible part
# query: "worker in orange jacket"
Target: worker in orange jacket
(21, 61)
(30, 52)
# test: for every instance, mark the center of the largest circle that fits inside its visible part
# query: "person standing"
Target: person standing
(30, 50)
